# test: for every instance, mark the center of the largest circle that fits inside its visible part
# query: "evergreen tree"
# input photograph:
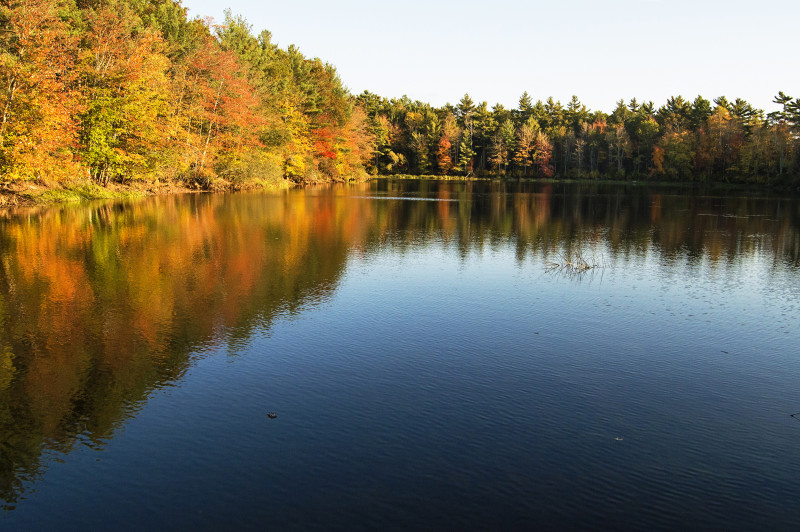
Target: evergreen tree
(465, 111)
(525, 108)
(699, 113)
(466, 154)
(576, 114)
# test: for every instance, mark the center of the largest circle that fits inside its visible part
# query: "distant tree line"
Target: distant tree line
(133, 90)
(680, 141)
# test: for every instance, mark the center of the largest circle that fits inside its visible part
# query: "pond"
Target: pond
(435, 355)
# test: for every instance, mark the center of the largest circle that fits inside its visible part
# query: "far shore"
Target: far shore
(43, 194)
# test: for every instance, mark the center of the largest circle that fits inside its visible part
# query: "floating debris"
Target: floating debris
(619, 438)
(574, 264)
(272, 415)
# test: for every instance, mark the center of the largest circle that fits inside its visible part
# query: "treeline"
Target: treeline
(121, 90)
(133, 90)
(681, 141)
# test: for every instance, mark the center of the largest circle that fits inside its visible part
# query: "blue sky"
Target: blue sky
(600, 50)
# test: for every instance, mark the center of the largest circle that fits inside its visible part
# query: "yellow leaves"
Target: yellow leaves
(414, 120)
(295, 165)
(719, 114)
(97, 94)
(36, 132)
(295, 128)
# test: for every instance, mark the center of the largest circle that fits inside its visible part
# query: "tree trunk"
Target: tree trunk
(210, 127)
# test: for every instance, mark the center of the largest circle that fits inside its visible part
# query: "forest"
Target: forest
(682, 140)
(135, 92)
(132, 90)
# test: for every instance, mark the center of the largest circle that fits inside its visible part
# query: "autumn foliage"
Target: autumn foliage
(123, 90)
(133, 90)
(41, 103)
(681, 141)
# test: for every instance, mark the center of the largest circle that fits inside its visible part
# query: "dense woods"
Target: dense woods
(121, 90)
(682, 140)
(134, 91)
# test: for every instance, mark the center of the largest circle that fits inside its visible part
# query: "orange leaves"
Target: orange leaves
(361, 141)
(117, 95)
(217, 106)
(37, 126)
(544, 152)
(599, 126)
(658, 159)
(342, 150)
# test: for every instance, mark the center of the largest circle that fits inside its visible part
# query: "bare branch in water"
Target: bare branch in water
(573, 264)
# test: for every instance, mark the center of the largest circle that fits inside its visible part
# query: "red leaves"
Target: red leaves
(324, 143)
(106, 90)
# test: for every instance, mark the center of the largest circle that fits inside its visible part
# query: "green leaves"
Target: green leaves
(124, 75)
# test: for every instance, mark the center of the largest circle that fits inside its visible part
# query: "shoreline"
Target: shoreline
(31, 194)
(48, 194)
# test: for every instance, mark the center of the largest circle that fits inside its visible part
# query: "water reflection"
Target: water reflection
(102, 304)
(630, 220)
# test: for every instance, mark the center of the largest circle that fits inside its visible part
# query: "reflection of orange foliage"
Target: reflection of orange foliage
(543, 200)
(444, 205)
(655, 208)
(109, 301)
(121, 287)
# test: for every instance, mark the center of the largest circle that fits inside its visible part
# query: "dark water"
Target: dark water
(429, 365)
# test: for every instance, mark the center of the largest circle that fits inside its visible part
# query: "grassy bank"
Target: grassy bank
(30, 194)
(35, 194)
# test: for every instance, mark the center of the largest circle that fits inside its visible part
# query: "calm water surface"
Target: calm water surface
(429, 365)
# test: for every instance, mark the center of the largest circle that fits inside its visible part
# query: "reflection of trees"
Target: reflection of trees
(629, 220)
(100, 305)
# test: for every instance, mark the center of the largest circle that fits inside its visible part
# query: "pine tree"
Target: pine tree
(525, 109)
(466, 154)
(700, 111)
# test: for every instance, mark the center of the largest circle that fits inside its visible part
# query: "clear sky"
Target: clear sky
(600, 50)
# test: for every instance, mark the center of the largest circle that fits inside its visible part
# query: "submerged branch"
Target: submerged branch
(573, 264)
